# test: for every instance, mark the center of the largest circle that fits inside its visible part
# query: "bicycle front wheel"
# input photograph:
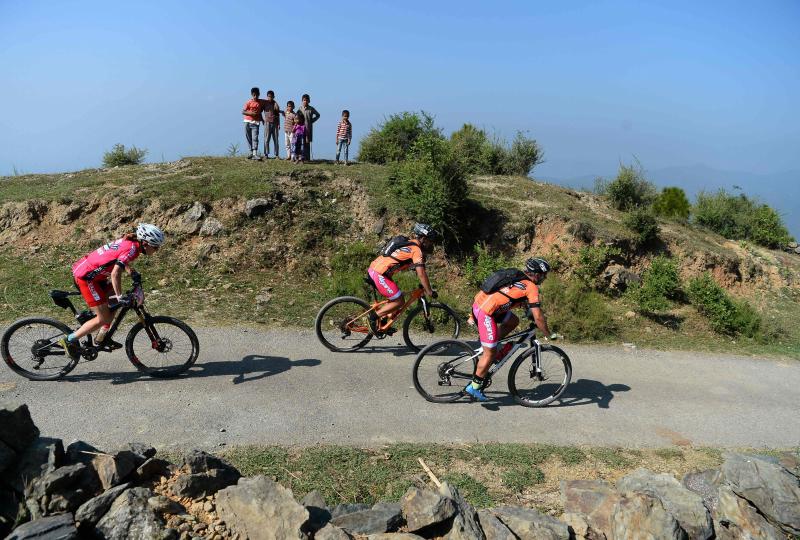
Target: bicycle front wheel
(163, 347)
(342, 324)
(421, 329)
(443, 369)
(533, 388)
(30, 348)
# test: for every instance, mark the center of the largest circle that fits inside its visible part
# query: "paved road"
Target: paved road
(283, 387)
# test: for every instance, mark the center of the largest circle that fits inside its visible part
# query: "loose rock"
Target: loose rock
(422, 508)
(529, 524)
(95, 508)
(59, 527)
(259, 508)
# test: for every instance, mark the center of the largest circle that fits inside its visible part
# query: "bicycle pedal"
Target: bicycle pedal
(390, 331)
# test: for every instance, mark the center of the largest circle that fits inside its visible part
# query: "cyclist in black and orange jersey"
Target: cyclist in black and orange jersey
(410, 256)
(489, 309)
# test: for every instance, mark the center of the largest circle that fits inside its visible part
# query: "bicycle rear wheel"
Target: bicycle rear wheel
(164, 347)
(443, 369)
(30, 348)
(533, 389)
(342, 324)
(420, 330)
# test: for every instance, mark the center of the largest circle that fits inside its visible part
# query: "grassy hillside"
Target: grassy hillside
(322, 226)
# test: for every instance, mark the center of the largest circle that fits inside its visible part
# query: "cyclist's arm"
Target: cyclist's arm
(540, 319)
(116, 278)
(423, 278)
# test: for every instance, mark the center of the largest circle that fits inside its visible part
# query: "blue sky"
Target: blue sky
(673, 83)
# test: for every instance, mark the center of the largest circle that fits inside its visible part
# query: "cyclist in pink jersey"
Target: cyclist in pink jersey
(92, 272)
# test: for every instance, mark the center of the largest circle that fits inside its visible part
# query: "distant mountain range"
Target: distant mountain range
(779, 190)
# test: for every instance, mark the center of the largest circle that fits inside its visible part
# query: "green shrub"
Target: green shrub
(431, 185)
(523, 155)
(348, 269)
(483, 264)
(643, 224)
(575, 312)
(591, 262)
(738, 217)
(394, 139)
(660, 284)
(479, 155)
(630, 189)
(726, 315)
(672, 203)
(472, 147)
(118, 156)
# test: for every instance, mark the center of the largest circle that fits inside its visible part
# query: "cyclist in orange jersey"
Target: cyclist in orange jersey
(489, 309)
(409, 255)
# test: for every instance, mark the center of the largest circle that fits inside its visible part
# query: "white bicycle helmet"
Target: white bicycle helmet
(151, 234)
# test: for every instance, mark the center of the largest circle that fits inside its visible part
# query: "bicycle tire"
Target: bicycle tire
(13, 363)
(165, 343)
(548, 395)
(459, 351)
(446, 313)
(320, 326)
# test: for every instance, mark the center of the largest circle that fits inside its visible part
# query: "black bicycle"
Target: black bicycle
(537, 377)
(157, 345)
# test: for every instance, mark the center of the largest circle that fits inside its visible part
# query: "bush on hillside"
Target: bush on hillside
(672, 203)
(431, 185)
(643, 224)
(630, 189)
(738, 217)
(347, 268)
(575, 312)
(394, 139)
(118, 156)
(483, 264)
(480, 155)
(726, 315)
(591, 262)
(660, 285)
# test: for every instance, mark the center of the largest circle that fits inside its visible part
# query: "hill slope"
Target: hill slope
(312, 229)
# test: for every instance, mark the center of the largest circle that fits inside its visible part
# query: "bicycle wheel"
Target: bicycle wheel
(533, 389)
(165, 347)
(30, 348)
(420, 330)
(443, 369)
(342, 324)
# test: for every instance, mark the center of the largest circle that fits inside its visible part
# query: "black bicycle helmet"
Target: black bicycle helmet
(423, 229)
(534, 265)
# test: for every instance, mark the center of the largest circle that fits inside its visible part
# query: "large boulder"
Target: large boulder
(261, 509)
(60, 527)
(131, 517)
(493, 528)
(318, 513)
(211, 227)
(638, 515)
(530, 524)
(153, 468)
(257, 207)
(383, 517)
(81, 452)
(769, 487)
(581, 528)
(17, 429)
(61, 490)
(197, 461)
(706, 484)
(685, 506)
(348, 508)
(620, 278)
(41, 457)
(593, 499)
(423, 508)
(331, 532)
(466, 525)
(95, 508)
(736, 518)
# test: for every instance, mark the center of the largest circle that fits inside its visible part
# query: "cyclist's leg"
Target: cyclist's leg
(508, 324)
(389, 290)
(96, 296)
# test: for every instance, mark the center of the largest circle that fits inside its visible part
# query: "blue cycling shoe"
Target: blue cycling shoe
(475, 393)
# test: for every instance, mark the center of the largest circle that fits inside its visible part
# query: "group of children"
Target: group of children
(298, 127)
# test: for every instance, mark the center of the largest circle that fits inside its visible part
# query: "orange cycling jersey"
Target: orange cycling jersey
(507, 298)
(404, 258)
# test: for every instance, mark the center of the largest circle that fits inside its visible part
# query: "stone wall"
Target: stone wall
(49, 491)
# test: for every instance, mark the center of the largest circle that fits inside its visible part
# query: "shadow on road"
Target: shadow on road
(250, 368)
(580, 392)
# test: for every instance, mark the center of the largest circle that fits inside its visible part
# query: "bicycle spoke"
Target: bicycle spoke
(31, 349)
(534, 387)
(342, 324)
(421, 329)
(443, 369)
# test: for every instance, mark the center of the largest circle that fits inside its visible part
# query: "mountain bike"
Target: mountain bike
(156, 345)
(538, 376)
(343, 323)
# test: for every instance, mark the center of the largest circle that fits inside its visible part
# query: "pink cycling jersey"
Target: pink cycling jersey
(100, 262)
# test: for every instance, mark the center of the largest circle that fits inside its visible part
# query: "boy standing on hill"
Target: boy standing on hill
(252, 112)
(289, 120)
(344, 134)
(310, 115)
(273, 123)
